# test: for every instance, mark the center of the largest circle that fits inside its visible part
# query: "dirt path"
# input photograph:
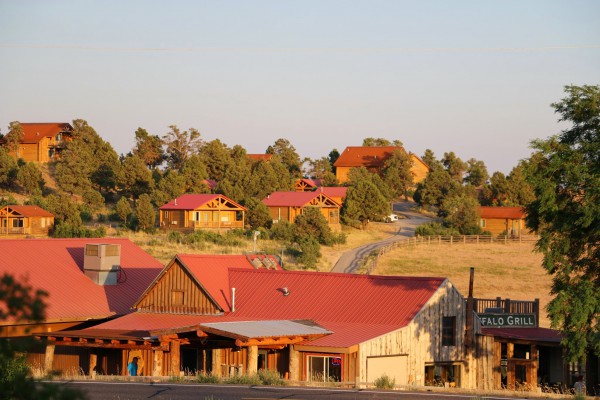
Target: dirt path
(349, 261)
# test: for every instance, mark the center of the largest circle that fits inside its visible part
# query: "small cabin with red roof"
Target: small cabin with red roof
(373, 158)
(16, 220)
(201, 211)
(43, 142)
(286, 206)
(503, 221)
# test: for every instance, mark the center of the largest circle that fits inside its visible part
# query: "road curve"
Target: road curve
(349, 261)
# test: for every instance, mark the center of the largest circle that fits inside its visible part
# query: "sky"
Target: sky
(474, 77)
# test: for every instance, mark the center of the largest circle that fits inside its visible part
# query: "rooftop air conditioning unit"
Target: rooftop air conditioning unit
(102, 263)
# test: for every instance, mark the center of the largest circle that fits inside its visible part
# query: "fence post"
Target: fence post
(536, 310)
(451, 240)
(464, 238)
(507, 306)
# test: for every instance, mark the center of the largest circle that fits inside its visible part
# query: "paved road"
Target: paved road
(167, 391)
(349, 261)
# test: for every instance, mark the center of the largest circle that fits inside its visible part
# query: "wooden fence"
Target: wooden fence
(370, 260)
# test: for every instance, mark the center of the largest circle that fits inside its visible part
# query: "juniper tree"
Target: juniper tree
(565, 173)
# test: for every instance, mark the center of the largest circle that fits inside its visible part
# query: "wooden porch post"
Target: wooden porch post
(252, 365)
(157, 369)
(93, 363)
(294, 364)
(175, 358)
(216, 362)
(49, 358)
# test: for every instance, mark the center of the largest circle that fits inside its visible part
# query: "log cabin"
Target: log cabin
(373, 159)
(286, 206)
(28, 220)
(190, 212)
(336, 193)
(43, 142)
(503, 221)
(207, 313)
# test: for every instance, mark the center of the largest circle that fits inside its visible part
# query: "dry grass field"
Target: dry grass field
(511, 271)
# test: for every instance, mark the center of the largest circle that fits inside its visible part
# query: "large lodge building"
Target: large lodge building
(109, 301)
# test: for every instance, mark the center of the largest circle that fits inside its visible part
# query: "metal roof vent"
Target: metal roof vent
(102, 263)
(285, 291)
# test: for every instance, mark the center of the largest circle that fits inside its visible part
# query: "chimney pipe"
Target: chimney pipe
(232, 299)
(469, 316)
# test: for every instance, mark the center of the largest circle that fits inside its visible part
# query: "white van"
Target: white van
(391, 218)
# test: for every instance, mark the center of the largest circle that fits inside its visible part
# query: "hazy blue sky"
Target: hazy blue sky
(473, 77)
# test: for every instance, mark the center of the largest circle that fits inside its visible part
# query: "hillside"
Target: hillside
(511, 271)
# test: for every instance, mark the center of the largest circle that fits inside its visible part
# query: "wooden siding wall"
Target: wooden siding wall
(499, 226)
(421, 339)
(176, 279)
(418, 170)
(177, 216)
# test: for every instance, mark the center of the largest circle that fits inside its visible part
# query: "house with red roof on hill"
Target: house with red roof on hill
(503, 221)
(373, 159)
(236, 314)
(286, 206)
(43, 141)
(16, 220)
(87, 281)
(260, 157)
(201, 211)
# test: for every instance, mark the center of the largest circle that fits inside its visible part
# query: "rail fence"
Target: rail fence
(370, 261)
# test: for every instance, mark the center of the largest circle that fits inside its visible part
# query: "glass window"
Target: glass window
(448, 331)
(325, 368)
(17, 223)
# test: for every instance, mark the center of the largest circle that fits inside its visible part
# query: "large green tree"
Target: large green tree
(397, 172)
(149, 148)
(14, 137)
(364, 201)
(286, 153)
(565, 173)
(180, 145)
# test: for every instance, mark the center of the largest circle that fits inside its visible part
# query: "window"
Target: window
(442, 375)
(17, 223)
(482, 223)
(58, 137)
(177, 297)
(448, 331)
(325, 368)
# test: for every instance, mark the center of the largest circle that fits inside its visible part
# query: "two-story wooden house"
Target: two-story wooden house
(373, 158)
(43, 142)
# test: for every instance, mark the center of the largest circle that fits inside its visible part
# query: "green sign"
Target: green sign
(508, 320)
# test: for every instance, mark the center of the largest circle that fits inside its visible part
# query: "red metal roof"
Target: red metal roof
(194, 201)
(502, 212)
(56, 266)
(260, 157)
(30, 211)
(212, 271)
(292, 199)
(365, 156)
(355, 307)
(333, 191)
(536, 334)
(34, 132)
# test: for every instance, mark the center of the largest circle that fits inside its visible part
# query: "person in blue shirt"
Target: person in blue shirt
(132, 367)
